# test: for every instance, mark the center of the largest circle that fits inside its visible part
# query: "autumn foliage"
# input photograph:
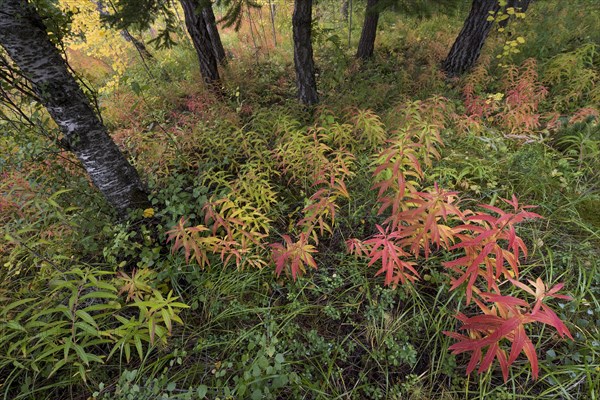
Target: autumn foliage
(418, 220)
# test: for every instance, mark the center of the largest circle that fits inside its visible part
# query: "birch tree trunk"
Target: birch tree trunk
(24, 37)
(196, 27)
(466, 49)
(303, 52)
(366, 45)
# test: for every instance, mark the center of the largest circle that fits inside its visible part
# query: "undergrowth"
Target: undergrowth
(410, 237)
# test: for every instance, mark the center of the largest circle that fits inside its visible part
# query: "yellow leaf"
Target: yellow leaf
(148, 213)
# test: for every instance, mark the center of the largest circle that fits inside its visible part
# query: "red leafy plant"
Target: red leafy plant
(504, 323)
(420, 222)
(383, 246)
(489, 242)
(235, 233)
(319, 216)
(492, 253)
(320, 210)
(295, 255)
(417, 222)
(515, 109)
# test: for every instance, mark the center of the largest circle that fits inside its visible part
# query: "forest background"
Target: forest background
(383, 226)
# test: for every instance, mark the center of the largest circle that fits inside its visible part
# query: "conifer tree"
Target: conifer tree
(138, 44)
(199, 20)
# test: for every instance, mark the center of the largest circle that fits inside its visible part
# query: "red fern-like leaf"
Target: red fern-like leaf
(384, 247)
(295, 255)
(490, 242)
(506, 321)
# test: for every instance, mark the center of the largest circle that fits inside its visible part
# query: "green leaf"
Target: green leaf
(15, 326)
(135, 88)
(81, 353)
(138, 345)
(103, 307)
(127, 349)
(86, 317)
(202, 391)
(67, 348)
(87, 328)
(257, 394)
(57, 366)
(106, 286)
(82, 372)
(241, 389)
(49, 352)
(98, 295)
(15, 304)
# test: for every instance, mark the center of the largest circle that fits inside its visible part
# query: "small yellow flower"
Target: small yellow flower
(148, 213)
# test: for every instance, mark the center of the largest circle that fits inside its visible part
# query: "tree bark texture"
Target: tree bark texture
(366, 45)
(24, 37)
(303, 52)
(466, 49)
(196, 27)
(215, 39)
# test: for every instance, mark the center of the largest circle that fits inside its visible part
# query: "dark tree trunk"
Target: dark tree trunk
(198, 31)
(23, 36)
(366, 45)
(344, 9)
(213, 32)
(467, 47)
(303, 52)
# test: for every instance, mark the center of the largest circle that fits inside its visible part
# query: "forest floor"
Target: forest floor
(246, 278)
